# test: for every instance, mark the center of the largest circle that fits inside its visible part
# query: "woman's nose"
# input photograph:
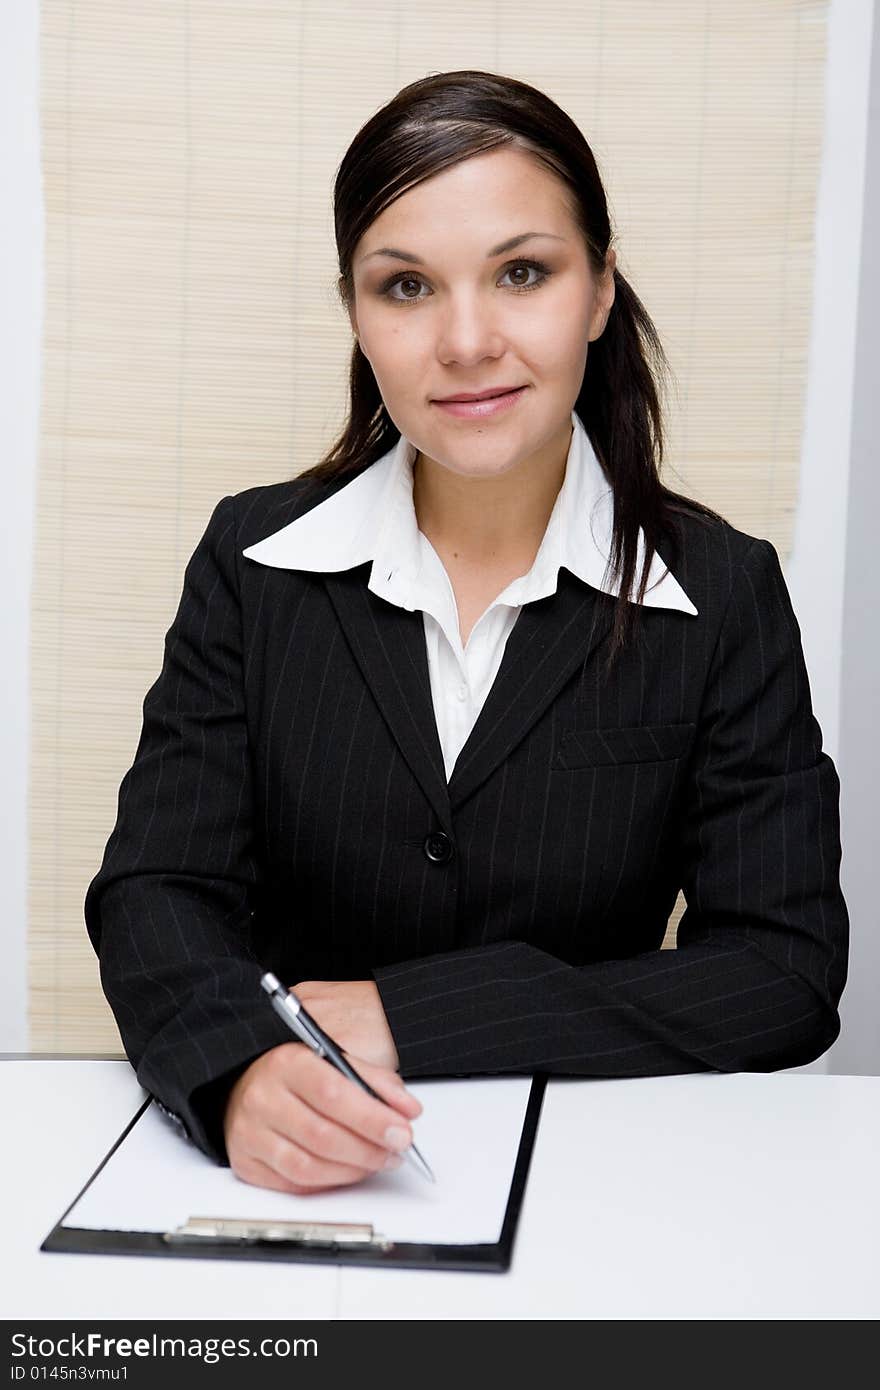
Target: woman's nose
(469, 331)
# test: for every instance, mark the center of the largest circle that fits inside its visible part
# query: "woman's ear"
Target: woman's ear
(604, 297)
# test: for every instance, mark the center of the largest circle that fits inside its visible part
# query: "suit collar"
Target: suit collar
(372, 519)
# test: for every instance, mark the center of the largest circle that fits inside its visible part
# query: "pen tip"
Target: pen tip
(423, 1167)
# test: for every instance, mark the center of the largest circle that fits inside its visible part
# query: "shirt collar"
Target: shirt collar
(373, 518)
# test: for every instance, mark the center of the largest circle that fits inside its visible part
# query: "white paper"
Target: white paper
(468, 1132)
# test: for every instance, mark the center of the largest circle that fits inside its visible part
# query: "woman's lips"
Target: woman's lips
(478, 410)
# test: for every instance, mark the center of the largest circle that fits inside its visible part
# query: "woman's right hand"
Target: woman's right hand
(292, 1122)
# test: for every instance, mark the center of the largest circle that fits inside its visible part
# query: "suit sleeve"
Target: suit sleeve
(760, 966)
(169, 912)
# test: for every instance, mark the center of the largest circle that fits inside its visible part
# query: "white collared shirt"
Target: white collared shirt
(373, 518)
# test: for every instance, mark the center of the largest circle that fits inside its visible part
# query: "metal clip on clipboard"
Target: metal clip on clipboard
(319, 1234)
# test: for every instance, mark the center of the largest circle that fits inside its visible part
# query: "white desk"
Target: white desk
(702, 1196)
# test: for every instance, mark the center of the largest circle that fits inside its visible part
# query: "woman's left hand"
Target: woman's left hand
(351, 1012)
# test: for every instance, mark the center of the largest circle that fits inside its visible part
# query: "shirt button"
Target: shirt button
(438, 847)
(462, 692)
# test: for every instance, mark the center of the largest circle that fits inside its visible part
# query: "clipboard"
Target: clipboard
(304, 1240)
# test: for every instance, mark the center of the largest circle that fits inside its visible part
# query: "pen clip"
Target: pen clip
(308, 1034)
(288, 1007)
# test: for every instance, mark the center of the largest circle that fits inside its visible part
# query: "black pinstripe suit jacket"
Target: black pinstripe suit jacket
(288, 809)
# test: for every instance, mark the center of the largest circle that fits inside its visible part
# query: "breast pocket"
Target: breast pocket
(643, 743)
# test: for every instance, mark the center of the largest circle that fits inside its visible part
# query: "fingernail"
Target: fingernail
(393, 1161)
(400, 1090)
(396, 1138)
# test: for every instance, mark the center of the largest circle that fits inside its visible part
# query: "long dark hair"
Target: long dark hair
(437, 122)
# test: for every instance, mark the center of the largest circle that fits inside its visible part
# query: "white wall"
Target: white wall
(818, 565)
(815, 571)
(857, 1050)
(822, 551)
(21, 298)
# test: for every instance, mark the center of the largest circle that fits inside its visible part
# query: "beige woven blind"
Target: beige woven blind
(193, 345)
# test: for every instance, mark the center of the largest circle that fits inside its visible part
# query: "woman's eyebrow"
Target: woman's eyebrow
(496, 250)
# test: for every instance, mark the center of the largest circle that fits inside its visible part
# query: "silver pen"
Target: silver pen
(288, 1007)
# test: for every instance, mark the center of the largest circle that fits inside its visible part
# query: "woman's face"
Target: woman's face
(456, 314)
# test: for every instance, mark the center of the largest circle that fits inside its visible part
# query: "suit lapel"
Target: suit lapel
(550, 640)
(388, 644)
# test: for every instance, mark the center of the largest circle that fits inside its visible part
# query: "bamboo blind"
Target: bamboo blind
(193, 345)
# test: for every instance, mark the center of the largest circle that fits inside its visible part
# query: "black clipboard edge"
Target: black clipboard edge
(493, 1259)
(104, 1161)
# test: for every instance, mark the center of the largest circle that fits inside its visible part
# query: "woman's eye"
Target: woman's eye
(526, 266)
(408, 283)
(408, 280)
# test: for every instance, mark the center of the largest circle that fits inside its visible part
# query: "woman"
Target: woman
(446, 722)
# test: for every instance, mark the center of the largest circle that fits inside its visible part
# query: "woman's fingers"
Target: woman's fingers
(389, 1086)
(309, 1147)
(342, 1115)
(294, 1169)
(250, 1169)
(292, 1115)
